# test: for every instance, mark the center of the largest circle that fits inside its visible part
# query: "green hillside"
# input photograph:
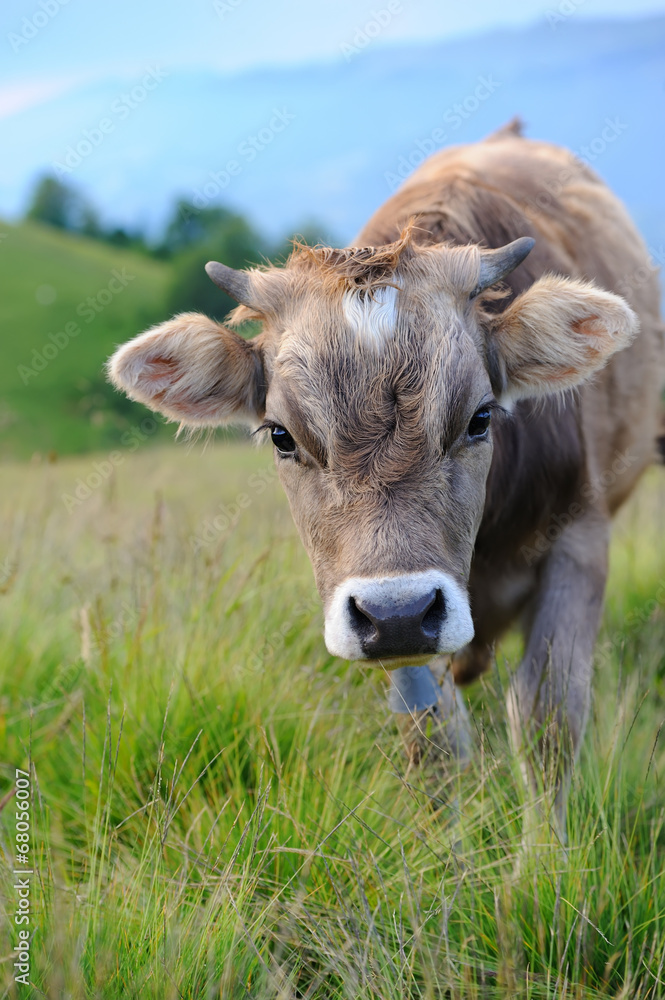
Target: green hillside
(66, 302)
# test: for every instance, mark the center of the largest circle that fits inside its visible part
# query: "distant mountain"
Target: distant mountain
(328, 141)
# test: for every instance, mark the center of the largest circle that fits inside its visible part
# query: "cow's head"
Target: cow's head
(376, 374)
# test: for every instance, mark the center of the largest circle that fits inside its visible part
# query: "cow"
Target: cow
(458, 405)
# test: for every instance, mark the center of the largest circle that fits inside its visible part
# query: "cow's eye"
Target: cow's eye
(282, 440)
(480, 423)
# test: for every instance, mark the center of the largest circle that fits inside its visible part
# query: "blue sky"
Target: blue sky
(81, 40)
(63, 62)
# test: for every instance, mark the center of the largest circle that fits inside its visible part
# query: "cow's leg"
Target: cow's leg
(431, 716)
(548, 700)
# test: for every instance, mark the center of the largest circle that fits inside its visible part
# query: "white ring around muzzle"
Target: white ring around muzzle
(341, 637)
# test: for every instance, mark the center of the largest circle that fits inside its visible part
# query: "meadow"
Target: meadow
(222, 809)
(67, 302)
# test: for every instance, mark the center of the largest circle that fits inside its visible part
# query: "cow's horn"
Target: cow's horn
(496, 264)
(234, 283)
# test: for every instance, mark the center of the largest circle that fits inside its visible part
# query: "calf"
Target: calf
(458, 405)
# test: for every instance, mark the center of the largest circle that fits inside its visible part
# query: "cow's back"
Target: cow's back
(495, 191)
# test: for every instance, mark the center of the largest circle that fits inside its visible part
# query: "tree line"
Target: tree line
(191, 237)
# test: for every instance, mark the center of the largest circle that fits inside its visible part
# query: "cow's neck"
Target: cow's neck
(535, 475)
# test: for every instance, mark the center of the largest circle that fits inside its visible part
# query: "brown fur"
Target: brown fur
(490, 194)
(376, 357)
(167, 365)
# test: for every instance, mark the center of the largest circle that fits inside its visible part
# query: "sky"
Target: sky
(60, 60)
(49, 46)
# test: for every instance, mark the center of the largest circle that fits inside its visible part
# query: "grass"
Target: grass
(221, 809)
(53, 394)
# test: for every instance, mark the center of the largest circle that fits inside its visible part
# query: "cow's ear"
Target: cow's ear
(192, 370)
(556, 334)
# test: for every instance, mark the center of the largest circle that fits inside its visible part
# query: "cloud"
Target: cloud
(17, 97)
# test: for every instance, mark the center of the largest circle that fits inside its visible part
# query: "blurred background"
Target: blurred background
(140, 140)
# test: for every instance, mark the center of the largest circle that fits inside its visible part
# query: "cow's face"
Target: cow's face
(377, 375)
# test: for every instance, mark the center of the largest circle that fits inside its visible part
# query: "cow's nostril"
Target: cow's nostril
(363, 626)
(434, 616)
(389, 627)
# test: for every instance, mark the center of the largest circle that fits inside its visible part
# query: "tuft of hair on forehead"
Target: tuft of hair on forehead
(447, 265)
(407, 261)
(345, 269)
(364, 267)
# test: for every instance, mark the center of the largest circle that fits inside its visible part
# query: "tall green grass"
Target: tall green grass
(224, 810)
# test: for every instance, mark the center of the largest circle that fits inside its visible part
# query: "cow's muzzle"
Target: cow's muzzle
(404, 617)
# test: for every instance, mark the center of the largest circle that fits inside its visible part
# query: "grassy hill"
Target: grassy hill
(66, 302)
